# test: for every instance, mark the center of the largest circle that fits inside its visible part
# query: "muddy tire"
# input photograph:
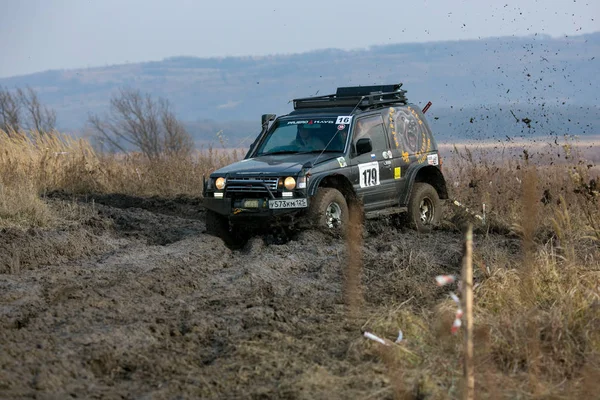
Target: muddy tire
(218, 225)
(328, 210)
(424, 208)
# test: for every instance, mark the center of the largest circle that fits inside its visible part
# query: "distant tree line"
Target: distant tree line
(21, 110)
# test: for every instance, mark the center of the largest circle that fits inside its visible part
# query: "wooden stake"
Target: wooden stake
(467, 277)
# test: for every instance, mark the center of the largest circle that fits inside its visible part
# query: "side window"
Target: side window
(371, 127)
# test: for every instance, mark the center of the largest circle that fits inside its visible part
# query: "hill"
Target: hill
(473, 84)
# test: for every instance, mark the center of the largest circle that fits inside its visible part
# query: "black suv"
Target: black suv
(363, 145)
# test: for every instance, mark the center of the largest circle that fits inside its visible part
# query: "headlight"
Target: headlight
(289, 183)
(220, 183)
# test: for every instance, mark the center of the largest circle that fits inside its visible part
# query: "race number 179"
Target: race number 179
(368, 174)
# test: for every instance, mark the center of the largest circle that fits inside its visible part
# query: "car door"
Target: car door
(374, 181)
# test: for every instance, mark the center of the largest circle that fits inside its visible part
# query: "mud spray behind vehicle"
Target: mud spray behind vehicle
(366, 145)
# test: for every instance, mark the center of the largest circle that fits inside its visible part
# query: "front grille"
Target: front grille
(250, 184)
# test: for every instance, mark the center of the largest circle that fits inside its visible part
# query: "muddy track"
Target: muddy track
(137, 301)
(181, 206)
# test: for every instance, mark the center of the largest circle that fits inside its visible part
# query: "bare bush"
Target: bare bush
(22, 109)
(38, 117)
(36, 163)
(10, 111)
(137, 120)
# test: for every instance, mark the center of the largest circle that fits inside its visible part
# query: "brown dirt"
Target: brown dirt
(135, 301)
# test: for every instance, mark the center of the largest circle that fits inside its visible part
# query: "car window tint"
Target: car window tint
(306, 134)
(371, 127)
(286, 135)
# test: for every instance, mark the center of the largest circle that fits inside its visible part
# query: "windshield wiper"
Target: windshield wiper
(278, 152)
(319, 151)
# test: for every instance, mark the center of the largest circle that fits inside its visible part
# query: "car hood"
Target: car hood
(287, 164)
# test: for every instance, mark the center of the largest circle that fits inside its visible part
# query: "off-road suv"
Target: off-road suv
(363, 145)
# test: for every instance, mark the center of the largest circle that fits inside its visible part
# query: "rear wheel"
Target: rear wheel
(329, 210)
(424, 207)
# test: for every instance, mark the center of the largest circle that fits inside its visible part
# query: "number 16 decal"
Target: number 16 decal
(368, 174)
(342, 119)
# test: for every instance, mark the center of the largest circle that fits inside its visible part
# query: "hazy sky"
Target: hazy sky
(37, 35)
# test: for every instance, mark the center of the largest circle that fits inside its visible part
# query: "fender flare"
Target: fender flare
(347, 189)
(432, 175)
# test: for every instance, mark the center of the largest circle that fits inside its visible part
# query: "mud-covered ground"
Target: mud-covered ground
(131, 299)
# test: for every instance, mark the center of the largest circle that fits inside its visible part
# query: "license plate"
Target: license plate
(292, 203)
(250, 203)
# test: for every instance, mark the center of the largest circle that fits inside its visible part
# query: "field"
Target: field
(109, 287)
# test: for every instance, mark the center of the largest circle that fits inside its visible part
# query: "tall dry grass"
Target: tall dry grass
(537, 305)
(498, 177)
(34, 164)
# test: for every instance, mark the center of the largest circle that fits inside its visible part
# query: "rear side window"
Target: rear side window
(371, 127)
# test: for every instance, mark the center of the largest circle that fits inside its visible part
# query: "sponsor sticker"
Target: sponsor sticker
(397, 173)
(342, 162)
(310, 122)
(432, 159)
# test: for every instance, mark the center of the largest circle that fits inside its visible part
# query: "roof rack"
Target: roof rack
(363, 97)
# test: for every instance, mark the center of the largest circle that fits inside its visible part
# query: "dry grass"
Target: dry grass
(537, 307)
(22, 206)
(536, 337)
(498, 178)
(32, 164)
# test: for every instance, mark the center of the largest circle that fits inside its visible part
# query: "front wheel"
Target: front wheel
(218, 225)
(329, 210)
(424, 207)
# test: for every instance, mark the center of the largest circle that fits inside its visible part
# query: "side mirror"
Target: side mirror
(265, 119)
(363, 146)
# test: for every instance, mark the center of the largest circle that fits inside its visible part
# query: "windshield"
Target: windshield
(305, 135)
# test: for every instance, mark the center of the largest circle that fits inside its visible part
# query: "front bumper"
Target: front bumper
(220, 206)
(245, 201)
(262, 215)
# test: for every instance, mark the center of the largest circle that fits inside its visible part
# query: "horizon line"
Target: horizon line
(324, 49)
